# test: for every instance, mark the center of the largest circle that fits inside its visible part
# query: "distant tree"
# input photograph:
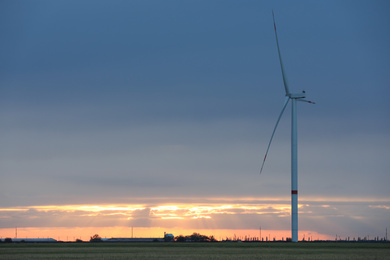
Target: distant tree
(79, 240)
(95, 238)
(8, 240)
(196, 237)
(212, 239)
(181, 238)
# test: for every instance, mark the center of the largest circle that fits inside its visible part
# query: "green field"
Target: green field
(226, 250)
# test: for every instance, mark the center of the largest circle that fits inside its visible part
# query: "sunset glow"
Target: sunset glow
(85, 233)
(244, 218)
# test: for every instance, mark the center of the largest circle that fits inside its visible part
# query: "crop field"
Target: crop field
(221, 250)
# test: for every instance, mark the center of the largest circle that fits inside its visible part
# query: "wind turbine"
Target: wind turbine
(294, 97)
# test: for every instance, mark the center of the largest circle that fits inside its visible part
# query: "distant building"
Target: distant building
(168, 237)
(129, 239)
(32, 240)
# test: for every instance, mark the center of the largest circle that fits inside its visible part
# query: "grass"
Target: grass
(196, 251)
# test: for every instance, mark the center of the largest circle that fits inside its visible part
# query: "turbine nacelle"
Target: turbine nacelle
(297, 95)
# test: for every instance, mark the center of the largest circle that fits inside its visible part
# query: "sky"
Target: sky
(156, 115)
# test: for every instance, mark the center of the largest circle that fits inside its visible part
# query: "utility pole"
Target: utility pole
(260, 233)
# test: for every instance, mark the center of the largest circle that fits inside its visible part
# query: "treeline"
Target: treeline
(195, 237)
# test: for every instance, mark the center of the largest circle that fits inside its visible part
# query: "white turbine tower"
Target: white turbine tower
(294, 144)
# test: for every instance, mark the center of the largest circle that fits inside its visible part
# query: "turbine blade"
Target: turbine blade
(307, 101)
(273, 133)
(280, 59)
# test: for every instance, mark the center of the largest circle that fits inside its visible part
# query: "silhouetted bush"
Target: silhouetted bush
(195, 237)
(95, 238)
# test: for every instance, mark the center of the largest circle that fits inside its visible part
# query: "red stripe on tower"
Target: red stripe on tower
(294, 192)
